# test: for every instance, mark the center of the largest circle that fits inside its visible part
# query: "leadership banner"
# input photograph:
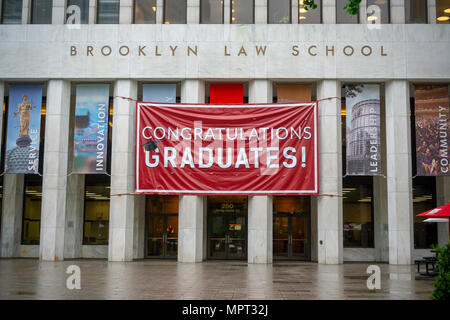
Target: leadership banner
(227, 149)
(363, 130)
(432, 133)
(23, 128)
(91, 129)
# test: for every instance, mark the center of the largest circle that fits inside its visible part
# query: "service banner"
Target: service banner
(91, 129)
(227, 149)
(363, 154)
(23, 128)
(431, 104)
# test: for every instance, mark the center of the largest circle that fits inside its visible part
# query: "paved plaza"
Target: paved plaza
(224, 280)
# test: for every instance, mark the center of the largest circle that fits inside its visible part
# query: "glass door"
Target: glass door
(299, 237)
(155, 236)
(281, 238)
(217, 237)
(236, 237)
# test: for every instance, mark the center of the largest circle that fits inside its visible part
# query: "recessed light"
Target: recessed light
(443, 18)
(447, 10)
(372, 18)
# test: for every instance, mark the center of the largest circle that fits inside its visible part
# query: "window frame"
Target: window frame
(97, 13)
(223, 13)
(164, 13)
(336, 15)
(2, 10)
(134, 13)
(22, 241)
(32, 13)
(268, 7)
(389, 12)
(321, 14)
(426, 15)
(231, 14)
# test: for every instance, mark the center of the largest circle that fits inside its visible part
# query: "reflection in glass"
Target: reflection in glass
(377, 11)
(242, 11)
(279, 11)
(145, 12)
(31, 224)
(96, 210)
(11, 11)
(341, 14)
(443, 11)
(175, 11)
(108, 11)
(41, 12)
(211, 11)
(82, 6)
(424, 199)
(416, 11)
(310, 16)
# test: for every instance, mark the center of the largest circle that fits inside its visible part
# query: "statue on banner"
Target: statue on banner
(23, 111)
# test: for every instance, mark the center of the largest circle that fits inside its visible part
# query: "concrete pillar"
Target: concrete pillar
(126, 11)
(159, 11)
(73, 234)
(92, 11)
(314, 236)
(294, 11)
(329, 206)
(443, 197)
(193, 12)
(12, 208)
(26, 11)
(54, 180)
(431, 11)
(260, 11)
(227, 11)
(122, 208)
(191, 209)
(139, 227)
(260, 208)
(363, 12)
(397, 11)
(399, 182)
(59, 11)
(328, 11)
(2, 97)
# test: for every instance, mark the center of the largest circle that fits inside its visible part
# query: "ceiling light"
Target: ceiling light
(302, 17)
(302, 10)
(443, 18)
(447, 10)
(372, 18)
(154, 9)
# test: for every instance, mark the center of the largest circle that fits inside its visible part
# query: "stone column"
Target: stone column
(398, 11)
(122, 207)
(329, 206)
(227, 11)
(261, 11)
(126, 11)
(2, 97)
(443, 197)
(92, 11)
(26, 11)
(12, 215)
(399, 182)
(294, 11)
(54, 180)
(328, 11)
(59, 11)
(73, 235)
(191, 208)
(363, 12)
(193, 12)
(260, 208)
(139, 227)
(159, 11)
(431, 11)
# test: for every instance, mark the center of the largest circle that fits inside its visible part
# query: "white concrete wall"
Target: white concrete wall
(261, 11)
(397, 11)
(126, 11)
(193, 12)
(59, 11)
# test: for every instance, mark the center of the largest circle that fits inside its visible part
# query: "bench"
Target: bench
(428, 261)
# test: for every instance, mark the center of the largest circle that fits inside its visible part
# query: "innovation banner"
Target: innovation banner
(432, 134)
(23, 128)
(227, 149)
(363, 154)
(91, 129)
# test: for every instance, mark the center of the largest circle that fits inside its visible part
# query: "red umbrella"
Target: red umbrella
(439, 212)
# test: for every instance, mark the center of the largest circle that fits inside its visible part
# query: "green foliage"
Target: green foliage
(442, 283)
(352, 6)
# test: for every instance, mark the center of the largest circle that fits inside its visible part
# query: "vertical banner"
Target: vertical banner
(160, 93)
(226, 93)
(91, 129)
(363, 130)
(432, 136)
(23, 128)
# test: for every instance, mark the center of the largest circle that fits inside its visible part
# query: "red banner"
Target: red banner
(267, 149)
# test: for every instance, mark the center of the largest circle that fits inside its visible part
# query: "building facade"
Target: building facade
(275, 51)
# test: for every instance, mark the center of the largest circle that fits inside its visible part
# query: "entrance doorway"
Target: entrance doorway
(161, 227)
(291, 228)
(227, 227)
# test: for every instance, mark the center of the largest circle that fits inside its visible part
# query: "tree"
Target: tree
(351, 6)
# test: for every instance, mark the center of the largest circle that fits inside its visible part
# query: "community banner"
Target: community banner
(227, 149)
(432, 135)
(363, 154)
(23, 128)
(91, 129)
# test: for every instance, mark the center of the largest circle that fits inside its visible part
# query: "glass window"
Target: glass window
(358, 212)
(242, 11)
(175, 11)
(416, 11)
(442, 11)
(378, 11)
(424, 199)
(310, 16)
(211, 11)
(145, 11)
(341, 14)
(75, 7)
(31, 223)
(96, 209)
(41, 12)
(279, 11)
(108, 11)
(12, 11)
